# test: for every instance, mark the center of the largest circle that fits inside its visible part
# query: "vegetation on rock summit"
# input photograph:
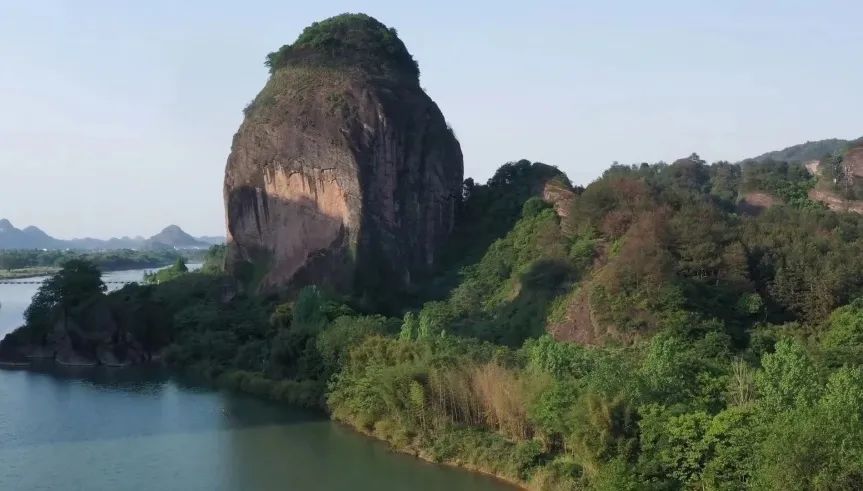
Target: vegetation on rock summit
(348, 39)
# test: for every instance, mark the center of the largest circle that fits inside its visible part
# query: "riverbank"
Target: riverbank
(26, 273)
(14, 364)
(427, 457)
(305, 394)
(477, 450)
(15, 264)
(194, 438)
(17, 274)
(312, 395)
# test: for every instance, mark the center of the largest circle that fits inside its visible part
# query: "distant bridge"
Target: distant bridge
(39, 282)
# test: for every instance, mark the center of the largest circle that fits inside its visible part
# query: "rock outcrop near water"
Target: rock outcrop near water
(344, 172)
(97, 334)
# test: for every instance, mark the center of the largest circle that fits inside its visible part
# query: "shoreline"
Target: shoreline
(14, 364)
(23, 274)
(215, 385)
(414, 452)
(48, 272)
(76, 363)
(419, 454)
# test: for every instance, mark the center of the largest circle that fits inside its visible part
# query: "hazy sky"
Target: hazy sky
(116, 117)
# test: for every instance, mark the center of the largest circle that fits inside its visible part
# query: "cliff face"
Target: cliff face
(852, 162)
(343, 173)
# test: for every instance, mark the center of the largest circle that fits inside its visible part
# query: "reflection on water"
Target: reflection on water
(107, 429)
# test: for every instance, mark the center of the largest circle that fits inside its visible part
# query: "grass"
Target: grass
(298, 85)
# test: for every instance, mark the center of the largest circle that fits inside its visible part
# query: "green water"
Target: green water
(102, 429)
(94, 429)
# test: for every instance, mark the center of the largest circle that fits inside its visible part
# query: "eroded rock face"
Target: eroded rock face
(560, 194)
(340, 176)
(829, 193)
(853, 162)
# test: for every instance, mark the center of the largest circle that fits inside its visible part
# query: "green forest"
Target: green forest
(644, 333)
(348, 39)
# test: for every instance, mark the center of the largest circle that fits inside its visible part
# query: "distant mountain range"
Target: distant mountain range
(171, 237)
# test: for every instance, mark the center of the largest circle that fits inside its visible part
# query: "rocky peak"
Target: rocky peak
(6, 225)
(344, 172)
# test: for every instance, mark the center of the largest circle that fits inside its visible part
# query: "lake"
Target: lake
(98, 428)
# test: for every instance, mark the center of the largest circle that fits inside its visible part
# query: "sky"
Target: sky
(116, 117)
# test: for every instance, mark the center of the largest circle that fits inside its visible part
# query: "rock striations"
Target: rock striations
(344, 172)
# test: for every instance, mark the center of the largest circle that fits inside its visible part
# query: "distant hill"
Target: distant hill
(28, 238)
(804, 151)
(172, 237)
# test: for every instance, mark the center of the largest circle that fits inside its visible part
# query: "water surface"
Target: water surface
(93, 429)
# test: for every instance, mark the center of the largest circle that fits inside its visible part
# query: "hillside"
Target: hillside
(174, 237)
(803, 152)
(834, 180)
(637, 331)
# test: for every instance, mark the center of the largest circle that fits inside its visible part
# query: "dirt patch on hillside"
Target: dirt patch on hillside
(577, 326)
(756, 202)
(853, 162)
(835, 202)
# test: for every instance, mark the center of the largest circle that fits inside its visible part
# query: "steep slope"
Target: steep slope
(344, 172)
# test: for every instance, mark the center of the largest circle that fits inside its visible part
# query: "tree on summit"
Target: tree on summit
(77, 281)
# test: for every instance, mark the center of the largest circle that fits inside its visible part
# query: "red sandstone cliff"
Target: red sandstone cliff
(344, 173)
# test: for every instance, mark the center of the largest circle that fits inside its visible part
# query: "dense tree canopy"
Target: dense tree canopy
(347, 39)
(76, 282)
